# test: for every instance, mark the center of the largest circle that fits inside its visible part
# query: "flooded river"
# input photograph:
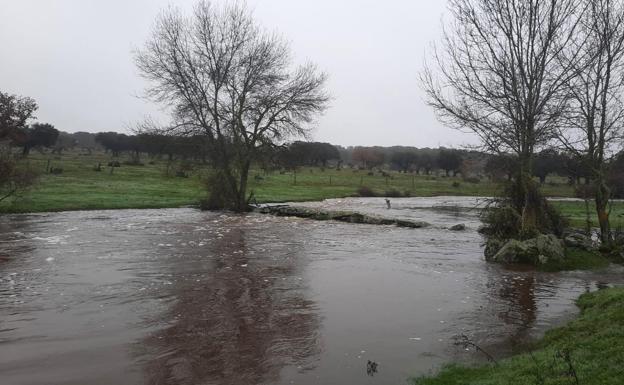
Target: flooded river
(181, 296)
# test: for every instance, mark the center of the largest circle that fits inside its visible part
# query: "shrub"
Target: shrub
(502, 219)
(616, 182)
(56, 170)
(472, 179)
(220, 195)
(13, 178)
(186, 166)
(366, 192)
(584, 191)
(456, 184)
(133, 162)
(393, 193)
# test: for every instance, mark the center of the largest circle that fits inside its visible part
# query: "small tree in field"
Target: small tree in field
(404, 160)
(369, 157)
(224, 77)
(15, 112)
(37, 136)
(449, 160)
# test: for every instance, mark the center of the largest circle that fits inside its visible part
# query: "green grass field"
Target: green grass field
(79, 187)
(587, 351)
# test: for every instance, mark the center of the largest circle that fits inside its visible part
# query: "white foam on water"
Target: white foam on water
(53, 240)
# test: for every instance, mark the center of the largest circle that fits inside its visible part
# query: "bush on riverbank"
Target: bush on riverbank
(508, 237)
(588, 351)
(502, 219)
(366, 192)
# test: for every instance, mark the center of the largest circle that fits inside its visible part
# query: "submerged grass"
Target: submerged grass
(587, 351)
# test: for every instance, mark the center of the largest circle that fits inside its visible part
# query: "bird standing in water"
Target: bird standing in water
(388, 203)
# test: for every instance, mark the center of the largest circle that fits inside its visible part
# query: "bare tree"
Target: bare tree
(222, 76)
(594, 126)
(498, 76)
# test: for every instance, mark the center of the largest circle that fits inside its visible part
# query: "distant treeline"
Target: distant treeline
(424, 161)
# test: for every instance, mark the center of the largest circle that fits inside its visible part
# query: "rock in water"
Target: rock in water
(540, 250)
(342, 216)
(548, 248)
(411, 224)
(578, 240)
(513, 251)
(459, 227)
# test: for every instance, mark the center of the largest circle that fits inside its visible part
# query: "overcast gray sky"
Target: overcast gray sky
(75, 58)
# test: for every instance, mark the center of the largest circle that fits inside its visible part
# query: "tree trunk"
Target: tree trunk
(602, 201)
(241, 202)
(526, 200)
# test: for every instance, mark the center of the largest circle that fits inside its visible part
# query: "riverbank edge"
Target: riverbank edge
(588, 350)
(195, 204)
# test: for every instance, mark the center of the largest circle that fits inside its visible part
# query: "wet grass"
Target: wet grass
(79, 187)
(587, 351)
(577, 259)
(576, 212)
(150, 186)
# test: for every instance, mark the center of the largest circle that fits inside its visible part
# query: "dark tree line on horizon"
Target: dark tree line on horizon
(297, 154)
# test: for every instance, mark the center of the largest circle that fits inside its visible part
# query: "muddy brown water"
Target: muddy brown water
(180, 296)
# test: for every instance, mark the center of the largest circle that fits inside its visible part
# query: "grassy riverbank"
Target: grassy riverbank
(154, 185)
(587, 351)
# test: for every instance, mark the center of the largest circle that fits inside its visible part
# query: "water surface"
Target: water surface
(180, 296)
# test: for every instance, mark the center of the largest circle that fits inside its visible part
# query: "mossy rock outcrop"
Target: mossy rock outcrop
(578, 240)
(544, 249)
